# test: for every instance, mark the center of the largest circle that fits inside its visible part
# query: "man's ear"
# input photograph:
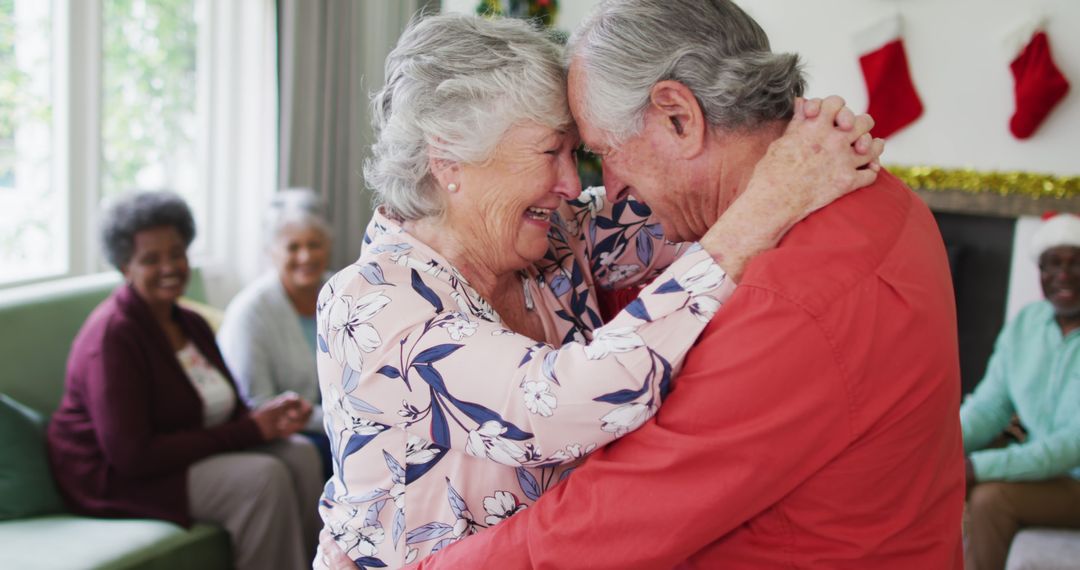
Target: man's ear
(680, 115)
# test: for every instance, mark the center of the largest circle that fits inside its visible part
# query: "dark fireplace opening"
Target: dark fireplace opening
(980, 255)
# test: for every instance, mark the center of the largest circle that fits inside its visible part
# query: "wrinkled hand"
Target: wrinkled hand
(332, 555)
(283, 416)
(845, 120)
(825, 153)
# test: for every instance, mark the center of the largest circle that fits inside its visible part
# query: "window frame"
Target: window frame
(76, 154)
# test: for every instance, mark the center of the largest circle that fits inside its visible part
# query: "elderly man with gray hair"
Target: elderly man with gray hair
(814, 424)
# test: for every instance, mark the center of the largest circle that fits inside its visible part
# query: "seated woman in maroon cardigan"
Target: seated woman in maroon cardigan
(150, 424)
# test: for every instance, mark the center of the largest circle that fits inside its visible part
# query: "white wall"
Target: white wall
(960, 67)
(958, 64)
(1024, 284)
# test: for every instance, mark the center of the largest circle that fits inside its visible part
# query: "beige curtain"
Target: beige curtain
(331, 55)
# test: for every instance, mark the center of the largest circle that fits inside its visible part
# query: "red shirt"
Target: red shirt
(814, 425)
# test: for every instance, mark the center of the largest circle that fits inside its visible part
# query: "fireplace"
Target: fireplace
(977, 215)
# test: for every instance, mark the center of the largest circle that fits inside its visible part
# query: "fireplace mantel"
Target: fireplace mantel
(987, 204)
(999, 194)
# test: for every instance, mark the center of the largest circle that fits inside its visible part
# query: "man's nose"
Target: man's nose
(613, 185)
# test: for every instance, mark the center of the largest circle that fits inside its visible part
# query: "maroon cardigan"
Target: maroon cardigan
(130, 422)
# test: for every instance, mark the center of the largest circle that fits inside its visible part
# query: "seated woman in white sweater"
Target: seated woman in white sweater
(268, 333)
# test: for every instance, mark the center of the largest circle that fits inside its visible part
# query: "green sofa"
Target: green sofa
(37, 325)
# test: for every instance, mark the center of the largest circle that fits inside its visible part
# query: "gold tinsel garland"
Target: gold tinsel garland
(976, 182)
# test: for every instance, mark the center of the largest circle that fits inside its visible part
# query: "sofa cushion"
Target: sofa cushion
(40, 321)
(68, 541)
(26, 485)
(1044, 549)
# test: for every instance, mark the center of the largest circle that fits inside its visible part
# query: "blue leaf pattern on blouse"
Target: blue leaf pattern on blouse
(426, 392)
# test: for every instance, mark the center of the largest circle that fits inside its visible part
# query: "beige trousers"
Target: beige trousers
(996, 511)
(266, 498)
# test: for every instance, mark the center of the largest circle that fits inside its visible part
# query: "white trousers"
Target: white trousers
(266, 498)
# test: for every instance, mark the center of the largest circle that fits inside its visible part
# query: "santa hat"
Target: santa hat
(1056, 230)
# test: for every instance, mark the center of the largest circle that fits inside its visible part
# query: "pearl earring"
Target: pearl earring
(451, 187)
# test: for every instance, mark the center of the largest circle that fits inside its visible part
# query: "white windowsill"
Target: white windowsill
(24, 293)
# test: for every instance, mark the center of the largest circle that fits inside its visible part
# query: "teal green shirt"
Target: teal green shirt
(1034, 373)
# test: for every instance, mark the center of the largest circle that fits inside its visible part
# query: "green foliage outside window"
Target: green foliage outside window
(149, 52)
(29, 210)
(10, 79)
(17, 103)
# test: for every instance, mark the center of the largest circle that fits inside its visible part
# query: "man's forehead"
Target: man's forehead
(575, 88)
(574, 78)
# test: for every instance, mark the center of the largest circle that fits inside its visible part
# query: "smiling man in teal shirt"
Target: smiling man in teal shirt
(1035, 374)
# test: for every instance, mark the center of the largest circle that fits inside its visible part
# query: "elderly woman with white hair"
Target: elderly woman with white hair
(268, 333)
(463, 364)
(1034, 373)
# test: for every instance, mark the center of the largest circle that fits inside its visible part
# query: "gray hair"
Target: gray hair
(136, 211)
(454, 85)
(714, 48)
(294, 207)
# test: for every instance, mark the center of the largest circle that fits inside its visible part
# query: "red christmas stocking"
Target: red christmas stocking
(894, 104)
(1040, 86)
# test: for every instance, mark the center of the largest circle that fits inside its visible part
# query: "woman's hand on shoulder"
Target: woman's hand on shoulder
(826, 152)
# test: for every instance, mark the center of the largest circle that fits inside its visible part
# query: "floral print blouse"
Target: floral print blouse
(442, 422)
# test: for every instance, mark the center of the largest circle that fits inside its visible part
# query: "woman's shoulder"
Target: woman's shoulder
(254, 299)
(398, 278)
(396, 267)
(395, 262)
(370, 306)
(193, 321)
(114, 320)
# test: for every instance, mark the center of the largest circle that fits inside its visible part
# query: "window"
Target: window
(33, 221)
(101, 96)
(123, 113)
(149, 86)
